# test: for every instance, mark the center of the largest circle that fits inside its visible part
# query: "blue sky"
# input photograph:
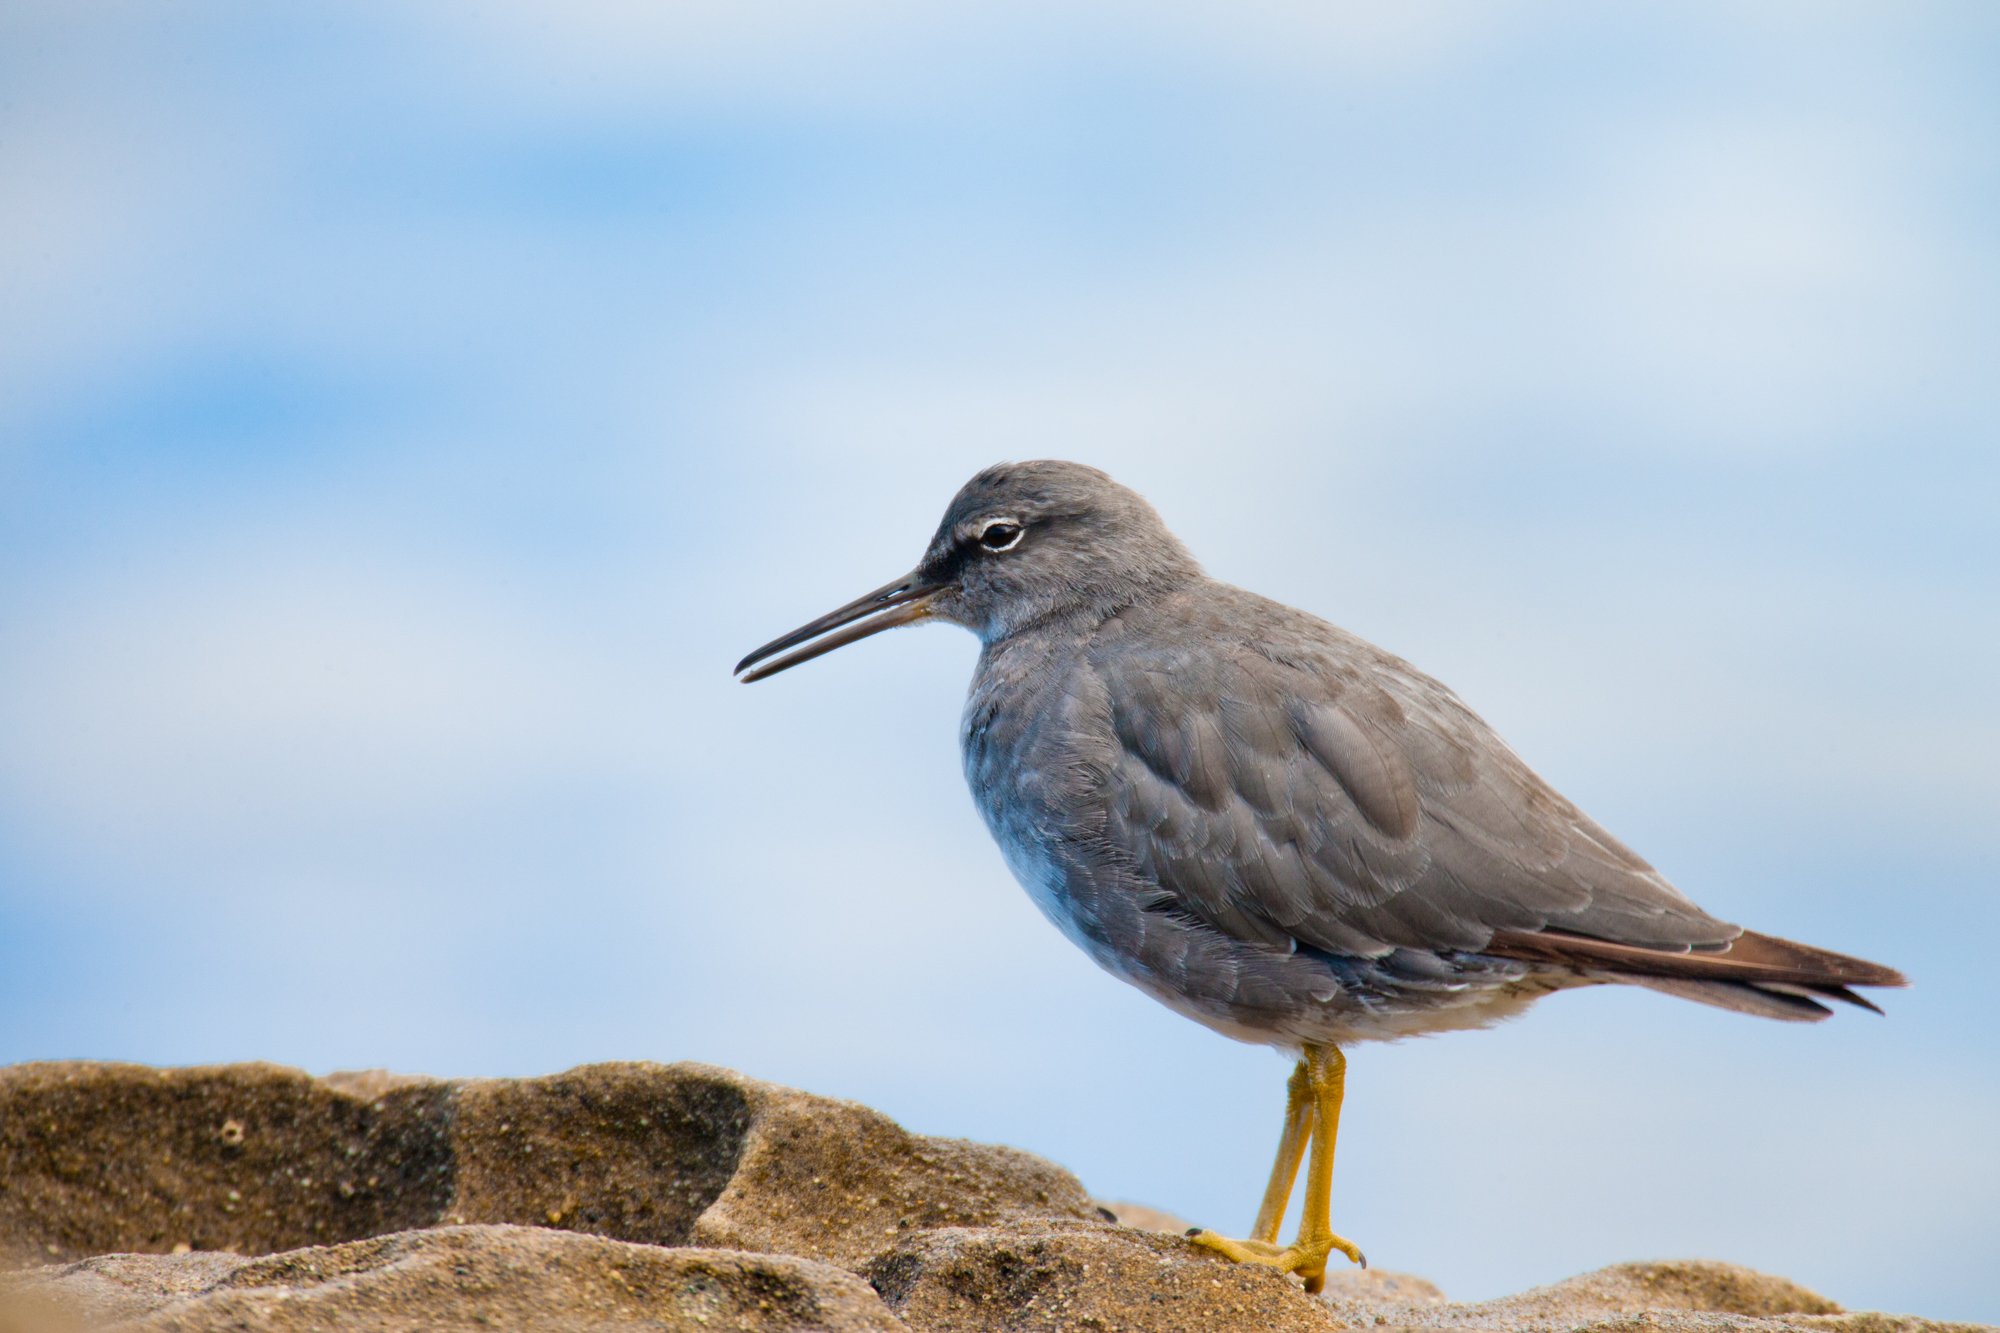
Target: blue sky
(409, 412)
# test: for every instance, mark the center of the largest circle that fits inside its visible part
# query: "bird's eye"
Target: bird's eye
(999, 536)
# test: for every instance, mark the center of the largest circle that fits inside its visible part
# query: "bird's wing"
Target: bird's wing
(1305, 786)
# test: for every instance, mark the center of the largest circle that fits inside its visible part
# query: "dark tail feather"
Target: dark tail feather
(1758, 974)
(1786, 1006)
(1846, 996)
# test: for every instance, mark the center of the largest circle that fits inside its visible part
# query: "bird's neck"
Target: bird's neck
(1079, 614)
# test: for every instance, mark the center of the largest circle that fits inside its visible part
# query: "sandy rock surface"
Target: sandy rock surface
(1068, 1276)
(102, 1158)
(1685, 1296)
(462, 1278)
(639, 1196)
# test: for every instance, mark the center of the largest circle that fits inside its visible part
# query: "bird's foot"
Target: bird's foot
(1307, 1258)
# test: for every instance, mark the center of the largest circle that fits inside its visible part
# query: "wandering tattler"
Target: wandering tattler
(1271, 826)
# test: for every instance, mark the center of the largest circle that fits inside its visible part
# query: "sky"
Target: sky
(409, 413)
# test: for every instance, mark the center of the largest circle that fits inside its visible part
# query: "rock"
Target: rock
(1021, 1278)
(614, 1197)
(1691, 1284)
(114, 1287)
(1100, 1278)
(1688, 1296)
(468, 1278)
(1027, 1278)
(99, 1158)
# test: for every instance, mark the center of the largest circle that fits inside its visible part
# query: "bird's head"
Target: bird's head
(1020, 543)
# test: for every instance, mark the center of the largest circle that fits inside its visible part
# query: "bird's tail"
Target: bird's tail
(1751, 974)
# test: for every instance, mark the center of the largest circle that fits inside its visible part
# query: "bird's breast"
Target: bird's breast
(1026, 740)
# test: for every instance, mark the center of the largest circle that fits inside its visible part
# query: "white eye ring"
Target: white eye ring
(1007, 541)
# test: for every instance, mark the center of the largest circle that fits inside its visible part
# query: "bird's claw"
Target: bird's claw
(1307, 1258)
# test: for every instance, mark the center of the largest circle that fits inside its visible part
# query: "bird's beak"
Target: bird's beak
(904, 602)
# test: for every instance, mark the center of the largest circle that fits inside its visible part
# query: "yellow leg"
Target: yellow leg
(1312, 1112)
(1291, 1152)
(1327, 1075)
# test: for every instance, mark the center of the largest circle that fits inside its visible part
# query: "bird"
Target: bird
(1271, 825)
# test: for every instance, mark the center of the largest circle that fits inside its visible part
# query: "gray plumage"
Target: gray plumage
(1263, 821)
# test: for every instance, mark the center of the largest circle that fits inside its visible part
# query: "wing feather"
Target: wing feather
(1367, 762)
(1304, 787)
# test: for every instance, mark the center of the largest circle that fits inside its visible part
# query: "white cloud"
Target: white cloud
(103, 197)
(862, 54)
(283, 695)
